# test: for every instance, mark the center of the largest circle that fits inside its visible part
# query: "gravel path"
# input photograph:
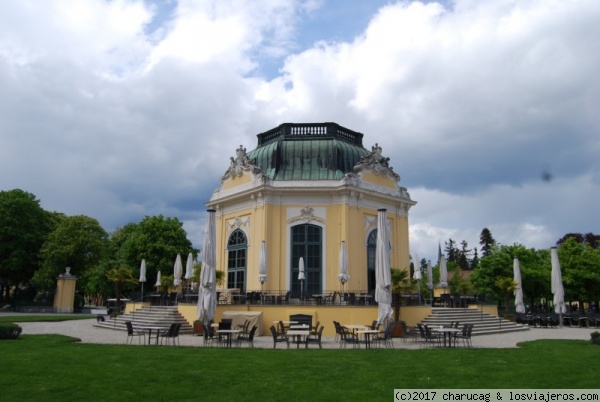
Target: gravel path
(88, 333)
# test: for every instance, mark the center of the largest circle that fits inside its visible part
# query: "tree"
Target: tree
(24, 226)
(78, 242)
(590, 239)
(507, 287)
(580, 263)
(463, 256)
(156, 239)
(451, 250)
(486, 241)
(400, 282)
(475, 260)
(535, 271)
(120, 277)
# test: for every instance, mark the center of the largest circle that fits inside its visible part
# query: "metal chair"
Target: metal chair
(172, 333)
(249, 337)
(465, 335)
(315, 338)
(386, 337)
(131, 333)
(209, 335)
(348, 337)
(279, 337)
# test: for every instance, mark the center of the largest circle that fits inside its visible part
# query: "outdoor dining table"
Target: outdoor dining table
(286, 323)
(297, 334)
(367, 334)
(356, 327)
(150, 329)
(229, 333)
(299, 326)
(447, 332)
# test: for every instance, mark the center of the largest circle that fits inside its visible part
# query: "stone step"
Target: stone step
(484, 323)
(155, 316)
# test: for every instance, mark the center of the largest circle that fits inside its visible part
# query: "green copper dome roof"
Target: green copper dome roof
(312, 151)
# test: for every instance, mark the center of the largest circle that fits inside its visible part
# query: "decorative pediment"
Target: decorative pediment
(306, 215)
(376, 163)
(240, 164)
(238, 223)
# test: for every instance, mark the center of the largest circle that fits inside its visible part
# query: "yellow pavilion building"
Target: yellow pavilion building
(303, 191)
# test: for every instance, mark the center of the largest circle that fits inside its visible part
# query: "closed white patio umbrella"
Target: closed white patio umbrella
(158, 283)
(177, 271)
(518, 292)
(557, 286)
(417, 274)
(262, 264)
(383, 274)
(189, 267)
(143, 276)
(430, 280)
(443, 273)
(301, 276)
(207, 298)
(343, 275)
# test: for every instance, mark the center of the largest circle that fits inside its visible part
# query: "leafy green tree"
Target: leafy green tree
(78, 242)
(580, 265)
(156, 239)
(486, 241)
(535, 271)
(24, 226)
(590, 239)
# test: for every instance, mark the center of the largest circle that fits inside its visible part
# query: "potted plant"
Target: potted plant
(400, 283)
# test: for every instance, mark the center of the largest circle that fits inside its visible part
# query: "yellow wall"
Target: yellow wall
(379, 180)
(237, 181)
(341, 223)
(325, 314)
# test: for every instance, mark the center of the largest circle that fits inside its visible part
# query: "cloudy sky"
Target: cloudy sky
(489, 110)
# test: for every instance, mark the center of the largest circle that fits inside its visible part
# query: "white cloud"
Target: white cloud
(472, 102)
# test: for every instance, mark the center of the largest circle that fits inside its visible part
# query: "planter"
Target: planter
(198, 328)
(398, 331)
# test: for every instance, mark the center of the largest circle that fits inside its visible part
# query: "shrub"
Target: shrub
(595, 338)
(9, 331)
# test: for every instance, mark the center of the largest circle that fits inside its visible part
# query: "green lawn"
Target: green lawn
(53, 367)
(40, 318)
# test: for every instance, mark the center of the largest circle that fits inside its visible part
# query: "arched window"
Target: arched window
(307, 243)
(371, 247)
(237, 248)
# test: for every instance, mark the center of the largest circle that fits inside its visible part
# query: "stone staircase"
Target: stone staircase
(155, 316)
(484, 323)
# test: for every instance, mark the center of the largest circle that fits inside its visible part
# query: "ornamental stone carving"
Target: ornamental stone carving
(240, 164)
(376, 163)
(238, 223)
(307, 215)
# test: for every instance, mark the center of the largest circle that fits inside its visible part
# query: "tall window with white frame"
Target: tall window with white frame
(307, 242)
(371, 247)
(237, 250)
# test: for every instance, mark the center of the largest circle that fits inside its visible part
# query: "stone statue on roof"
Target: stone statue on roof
(240, 164)
(376, 163)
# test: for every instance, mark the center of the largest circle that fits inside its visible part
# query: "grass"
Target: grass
(53, 367)
(43, 318)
